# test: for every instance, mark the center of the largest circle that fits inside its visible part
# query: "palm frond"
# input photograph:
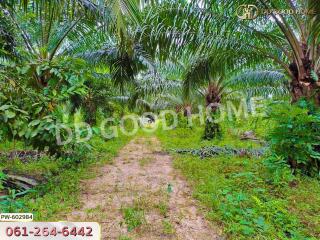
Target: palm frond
(265, 83)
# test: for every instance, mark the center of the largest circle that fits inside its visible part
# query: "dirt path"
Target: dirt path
(140, 196)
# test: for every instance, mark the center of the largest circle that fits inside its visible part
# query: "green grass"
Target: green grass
(241, 195)
(41, 169)
(60, 193)
(163, 208)
(124, 238)
(167, 227)
(7, 145)
(133, 217)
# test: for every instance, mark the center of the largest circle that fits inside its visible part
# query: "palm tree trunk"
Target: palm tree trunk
(306, 90)
(187, 111)
(305, 83)
(309, 91)
(213, 99)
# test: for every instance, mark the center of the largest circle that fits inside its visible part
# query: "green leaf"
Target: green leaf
(9, 114)
(22, 132)
(28, 133)
(25, 69)
(34, 133)
(38, 70)
(22, 111)
(247, 230)
(39, 109)
(96, 130)
(4, 107)
(34, 122)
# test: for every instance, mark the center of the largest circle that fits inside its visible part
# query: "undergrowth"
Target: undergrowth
(249, 197)
(59, 193)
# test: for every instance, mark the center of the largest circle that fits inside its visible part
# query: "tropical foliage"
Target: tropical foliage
(71, 63)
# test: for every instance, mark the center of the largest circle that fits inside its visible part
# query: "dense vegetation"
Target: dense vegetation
(249, 196)
(246, 95)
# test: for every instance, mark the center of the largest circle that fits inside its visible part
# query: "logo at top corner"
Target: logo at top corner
(247, 11)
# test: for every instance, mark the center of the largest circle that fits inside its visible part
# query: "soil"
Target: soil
(142, 181)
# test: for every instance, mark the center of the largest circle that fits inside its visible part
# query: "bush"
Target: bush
(212, 129)
(183, 121)
(296, 136)
(278, 171)
(31, 113)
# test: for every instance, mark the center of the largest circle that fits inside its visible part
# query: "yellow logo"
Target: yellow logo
(247, 12)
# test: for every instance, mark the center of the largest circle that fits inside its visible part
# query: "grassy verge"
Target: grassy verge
(60, 193)
(242, 195)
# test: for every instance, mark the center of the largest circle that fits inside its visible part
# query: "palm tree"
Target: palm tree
(230, 84)
(221, 44)
(56, 27)
(290, 42)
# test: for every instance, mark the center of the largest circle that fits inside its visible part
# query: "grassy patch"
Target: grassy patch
(124, 238)
(8, 146)
(96, 214)
(163, 208)
(241, 194)
(167, 227)
(44, 167)
(133, 217)
(60, 194)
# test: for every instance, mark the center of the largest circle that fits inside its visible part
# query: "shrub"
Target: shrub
(183, 121)
(134, 218)
(30, 113)
(212, 129)
(296, 136)
(278, 171)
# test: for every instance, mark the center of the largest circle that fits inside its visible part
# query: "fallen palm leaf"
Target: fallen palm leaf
(217, 150)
